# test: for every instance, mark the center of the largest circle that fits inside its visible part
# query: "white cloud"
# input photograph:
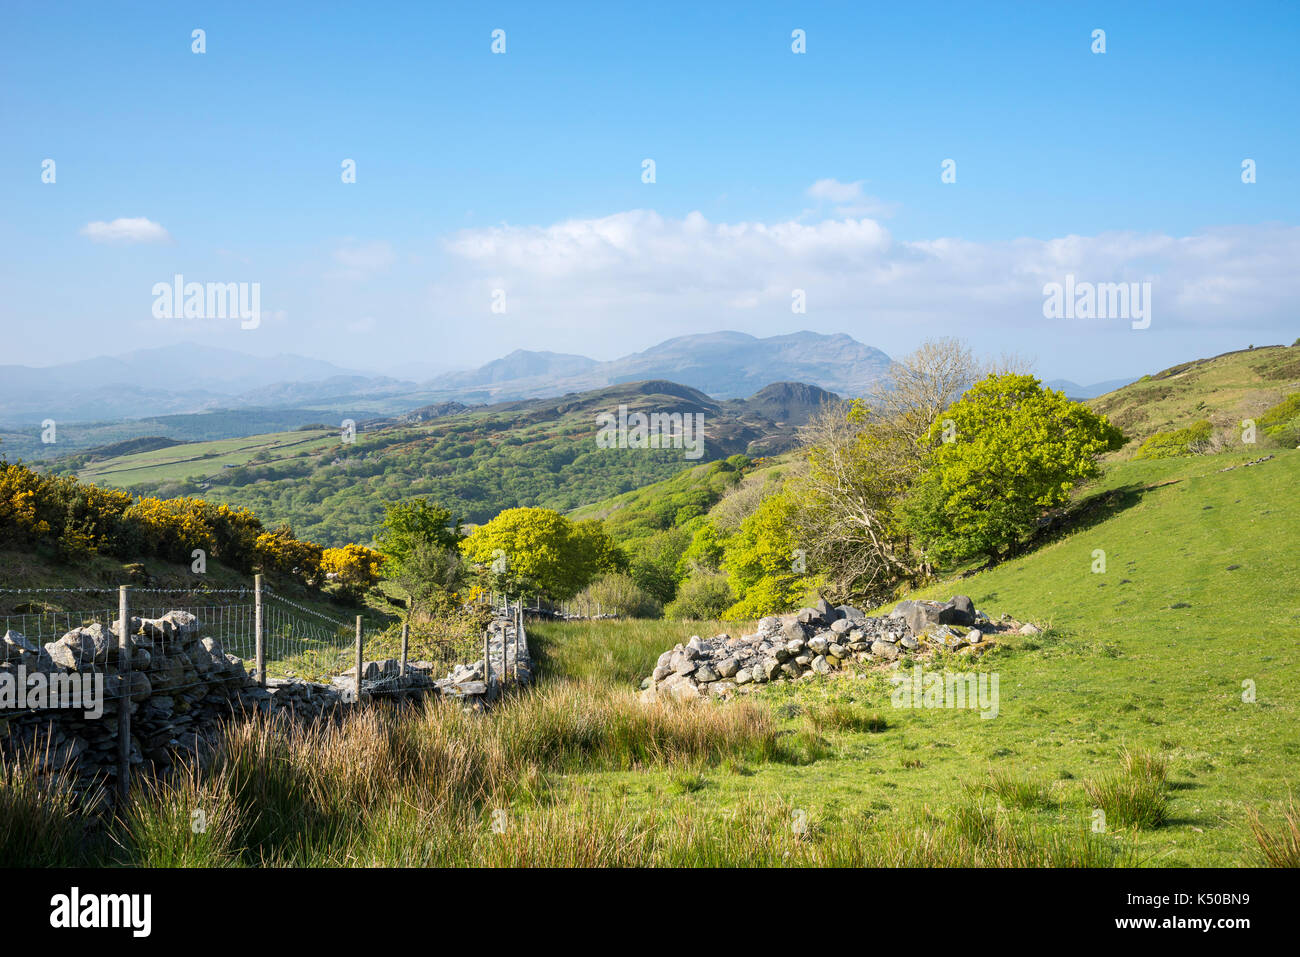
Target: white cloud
(682, 275)
(849, 200)
(126, 230)
(836, 192)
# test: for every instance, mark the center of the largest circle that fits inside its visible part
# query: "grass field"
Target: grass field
(179, 462)
(1151, 655)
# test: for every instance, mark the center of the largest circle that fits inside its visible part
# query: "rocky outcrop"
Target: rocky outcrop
(818, 641)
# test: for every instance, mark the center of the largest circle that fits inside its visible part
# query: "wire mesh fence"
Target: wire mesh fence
(298, 641)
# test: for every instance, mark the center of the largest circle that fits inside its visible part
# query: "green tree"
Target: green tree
(533, 551)
(599, 552)
(1013, 449)
(763, 566)
(703, 554)
(413, 522)
(654, 565)
(704, 595)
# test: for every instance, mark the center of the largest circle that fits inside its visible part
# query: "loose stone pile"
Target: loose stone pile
(817, 641)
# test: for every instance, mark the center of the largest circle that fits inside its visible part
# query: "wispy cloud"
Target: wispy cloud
(849, 200)
(126, 230)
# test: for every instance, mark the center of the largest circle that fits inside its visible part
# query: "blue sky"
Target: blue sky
(522, 172)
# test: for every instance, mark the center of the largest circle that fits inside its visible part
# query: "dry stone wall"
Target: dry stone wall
(181, 687)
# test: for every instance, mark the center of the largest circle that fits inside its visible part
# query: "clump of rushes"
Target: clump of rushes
(1135, 796)
(1013, 790)
(839, 716)
(1280, 847)
(42, 821)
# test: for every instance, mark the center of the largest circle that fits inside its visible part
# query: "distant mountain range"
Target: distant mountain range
(1075, 391)
(191, 378)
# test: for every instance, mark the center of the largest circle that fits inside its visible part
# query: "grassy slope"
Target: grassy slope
(1224, 389)
(1120, 667)
(640, 513)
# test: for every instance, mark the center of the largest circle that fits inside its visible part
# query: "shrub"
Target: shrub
(1193, 440)
(172, 528)
(654, 565)
(1282, 421)
(617, 594)
(280, 551)
(354, 567)
(704, 596)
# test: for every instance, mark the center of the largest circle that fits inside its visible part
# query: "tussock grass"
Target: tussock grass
(1013, 790)
(396, 785)
(1144, 765)
(182, 822)
(1135, 796)
(845, 716)
(1279, 847)
(42, 821)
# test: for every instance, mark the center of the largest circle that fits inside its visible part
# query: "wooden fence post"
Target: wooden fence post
(124, 702)
(358, 671)
(406, 637)
(487, 662)
(259, 640)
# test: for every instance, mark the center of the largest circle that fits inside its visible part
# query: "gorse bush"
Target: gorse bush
(79, 520)
(354, 567)
(280, 551)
